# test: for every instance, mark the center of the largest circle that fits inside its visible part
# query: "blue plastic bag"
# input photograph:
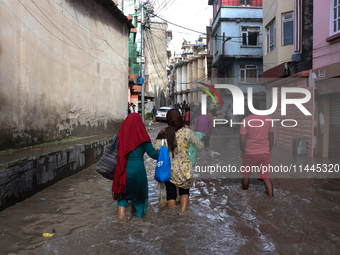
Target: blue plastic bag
(163, 167)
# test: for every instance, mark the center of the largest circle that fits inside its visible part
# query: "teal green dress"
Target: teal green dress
(137, 179)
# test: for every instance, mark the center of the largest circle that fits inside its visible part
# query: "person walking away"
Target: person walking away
(130, 180)
(256, 142)
(154, 113)
(178, 138)
(204, 124)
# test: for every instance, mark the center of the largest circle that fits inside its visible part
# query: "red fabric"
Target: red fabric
(187, 117)
(261, 161)
(131, 134)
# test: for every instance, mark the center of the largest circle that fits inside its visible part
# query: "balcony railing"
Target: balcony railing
(245, 3)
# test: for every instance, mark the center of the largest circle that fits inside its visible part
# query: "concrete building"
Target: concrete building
(236, 36)
(189, 49)
(157, 59)
(63, 70)
(132, 10)
(287, 60)
(188, 75)
(326, 70)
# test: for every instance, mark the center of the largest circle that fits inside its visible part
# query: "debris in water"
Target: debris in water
(47, 235)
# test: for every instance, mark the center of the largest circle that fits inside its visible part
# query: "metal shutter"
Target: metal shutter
(334, 130)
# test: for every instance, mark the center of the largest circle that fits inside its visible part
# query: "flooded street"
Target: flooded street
(302, 218)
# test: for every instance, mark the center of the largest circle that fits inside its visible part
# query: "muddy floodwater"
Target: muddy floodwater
(303, 217)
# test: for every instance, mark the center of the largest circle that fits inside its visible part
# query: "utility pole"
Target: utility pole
(224, 41)
(142, 60)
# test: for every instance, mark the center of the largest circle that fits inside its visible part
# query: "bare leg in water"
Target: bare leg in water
(184, 202)
(267, 183)
(171, 203)
(121, 212)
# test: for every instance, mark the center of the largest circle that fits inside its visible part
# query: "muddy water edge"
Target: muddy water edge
(302, 218)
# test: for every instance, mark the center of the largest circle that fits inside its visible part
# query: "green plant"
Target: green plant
(148, 115)
(200, 48)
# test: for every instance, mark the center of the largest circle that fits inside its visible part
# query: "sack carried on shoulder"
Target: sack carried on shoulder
(107, 163)
(163, 168)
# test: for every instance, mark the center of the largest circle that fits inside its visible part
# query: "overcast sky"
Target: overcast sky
(193, 14)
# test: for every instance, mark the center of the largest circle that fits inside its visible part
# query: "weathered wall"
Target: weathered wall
(156, 56)
(306, 62)
(23, 178)
(63, 70)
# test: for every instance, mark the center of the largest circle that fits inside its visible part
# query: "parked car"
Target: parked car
(161, 113)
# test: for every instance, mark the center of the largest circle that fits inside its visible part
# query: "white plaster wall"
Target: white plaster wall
(63, 69)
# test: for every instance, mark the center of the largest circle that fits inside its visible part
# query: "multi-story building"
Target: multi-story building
(157, 37)
(236, 35)
(132, 10)
(287, 60)
(189, 49)
(188, 75)
(326, 70)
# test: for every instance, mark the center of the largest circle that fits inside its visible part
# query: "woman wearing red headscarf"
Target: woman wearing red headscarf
(178, 139)
(130, 181)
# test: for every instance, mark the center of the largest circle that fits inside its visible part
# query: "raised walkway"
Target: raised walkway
(26, 171)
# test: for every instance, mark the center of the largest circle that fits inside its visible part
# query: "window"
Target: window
(248, 73)
(335, 16)
(245, 2)
(271, 34)
(250, 36)
(287, 29)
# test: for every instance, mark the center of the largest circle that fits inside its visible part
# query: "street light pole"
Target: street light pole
(142, 60)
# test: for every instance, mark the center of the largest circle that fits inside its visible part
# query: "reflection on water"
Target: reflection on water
(302, 218)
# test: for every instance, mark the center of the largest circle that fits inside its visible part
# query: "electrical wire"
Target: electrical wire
(153, 60)
(75, 45)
